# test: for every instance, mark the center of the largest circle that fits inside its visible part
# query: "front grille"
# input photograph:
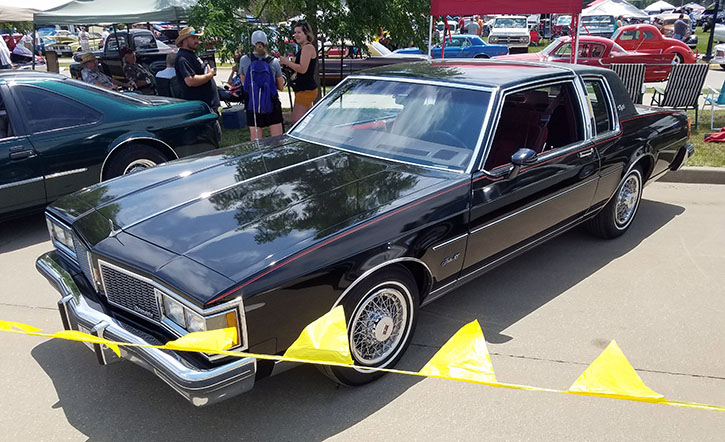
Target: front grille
(83, 258)
(131, 292)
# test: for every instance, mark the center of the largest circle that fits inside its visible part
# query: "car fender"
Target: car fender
(142, 137)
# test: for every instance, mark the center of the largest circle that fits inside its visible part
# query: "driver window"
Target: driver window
(466, 43)
(456, 43)
(540, 119)
(563, 51)
(6, 129)
(648, 35)
(629, 36)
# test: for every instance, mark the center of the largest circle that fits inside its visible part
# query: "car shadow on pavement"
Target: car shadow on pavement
(22, 232)
(123, 401)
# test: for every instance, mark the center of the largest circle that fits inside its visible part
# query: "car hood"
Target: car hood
(509, 31)
(237, 214)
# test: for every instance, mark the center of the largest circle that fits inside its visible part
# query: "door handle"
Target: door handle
(19, 153)
(586, 153)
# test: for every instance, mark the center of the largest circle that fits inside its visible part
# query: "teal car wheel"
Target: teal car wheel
(133, 158)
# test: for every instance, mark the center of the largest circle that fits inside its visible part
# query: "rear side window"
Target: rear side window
(144, 41)
(45, 110)
(600, 106)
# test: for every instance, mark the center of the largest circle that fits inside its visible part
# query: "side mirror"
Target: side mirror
(521, 158)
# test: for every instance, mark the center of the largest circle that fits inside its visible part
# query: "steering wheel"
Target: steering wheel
(444, 137)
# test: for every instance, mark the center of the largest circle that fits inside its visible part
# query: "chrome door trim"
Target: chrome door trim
(452, 240)
(66, 173)
(20, 183)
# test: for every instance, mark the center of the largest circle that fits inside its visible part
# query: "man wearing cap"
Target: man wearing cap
(91, 75)
(196, 81)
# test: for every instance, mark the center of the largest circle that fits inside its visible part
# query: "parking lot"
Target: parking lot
(546, 315)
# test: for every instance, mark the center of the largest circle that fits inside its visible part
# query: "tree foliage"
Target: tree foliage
(228, 26)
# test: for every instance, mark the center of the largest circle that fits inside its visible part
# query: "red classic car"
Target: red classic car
(602, 52)
(648, 39)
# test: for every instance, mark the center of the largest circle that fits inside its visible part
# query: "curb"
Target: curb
(695, 175)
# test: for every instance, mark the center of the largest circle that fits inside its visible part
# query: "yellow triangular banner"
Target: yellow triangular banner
(464, 356)
(9, 325)
(206, 341)
(325, 340)
(612, 375)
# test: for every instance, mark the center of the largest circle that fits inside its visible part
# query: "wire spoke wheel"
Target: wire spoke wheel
(379, 325)
(627, 200)
(138, 165)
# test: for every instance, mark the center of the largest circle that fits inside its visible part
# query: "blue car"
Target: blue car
(463, 46)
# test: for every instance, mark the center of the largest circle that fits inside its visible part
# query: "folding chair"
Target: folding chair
(632, 75)
(683, 88)
(715, 99)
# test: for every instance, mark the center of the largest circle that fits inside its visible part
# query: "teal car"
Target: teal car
(58, 135)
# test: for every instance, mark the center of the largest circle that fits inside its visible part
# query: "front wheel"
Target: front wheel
(481, 56)
(616, 217)
(679, 58)
(381, 314)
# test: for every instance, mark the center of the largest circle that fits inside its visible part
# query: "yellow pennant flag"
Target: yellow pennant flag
(464, 356)
(611, 375)
(206, 341)
(10, 325)
(324, 340)
(74, 335)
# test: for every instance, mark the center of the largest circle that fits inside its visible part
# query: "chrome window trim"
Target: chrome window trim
(376, 268)
(21, 182)
(128, 140)
(538, 203)
(66, 173)
(482, 131)
(613, 114)
(530, 85)
(175, 329)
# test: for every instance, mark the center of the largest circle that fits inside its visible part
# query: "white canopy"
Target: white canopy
(660, 6)
(11, 11)
(615, 8)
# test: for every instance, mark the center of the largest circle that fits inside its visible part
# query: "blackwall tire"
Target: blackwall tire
(617, 216)
(381, 314)
(132, 158)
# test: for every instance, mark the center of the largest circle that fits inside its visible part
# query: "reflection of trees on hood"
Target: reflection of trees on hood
(313, 196)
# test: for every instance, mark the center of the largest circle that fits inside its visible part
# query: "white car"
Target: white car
(718, 55)
(719, 32)
(512, 31)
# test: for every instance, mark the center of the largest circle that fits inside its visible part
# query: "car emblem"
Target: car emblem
(450, 259)
(144, 312)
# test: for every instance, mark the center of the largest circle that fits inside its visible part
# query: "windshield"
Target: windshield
(510, 23)
(563, 20)
(549, 49)
(598, 20)
(423, 124)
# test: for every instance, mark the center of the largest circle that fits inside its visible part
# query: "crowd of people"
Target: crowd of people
(258, 75)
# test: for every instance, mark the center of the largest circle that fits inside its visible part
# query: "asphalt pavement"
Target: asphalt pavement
(546, 315)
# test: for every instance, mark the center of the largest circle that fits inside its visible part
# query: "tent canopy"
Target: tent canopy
(462, 7)
(659, 6)
(615, 8)
(11, 10)
(114, 11)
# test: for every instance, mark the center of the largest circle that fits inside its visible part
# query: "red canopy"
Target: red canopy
(463, 7)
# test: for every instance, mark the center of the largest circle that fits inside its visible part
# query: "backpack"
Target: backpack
(259, 85)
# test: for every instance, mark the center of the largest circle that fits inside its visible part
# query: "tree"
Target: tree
(227, 22)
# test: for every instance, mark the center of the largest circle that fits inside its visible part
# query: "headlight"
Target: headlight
(174, 311)
(492, 39)
(191, 321)
(523, 39)
(60, 235)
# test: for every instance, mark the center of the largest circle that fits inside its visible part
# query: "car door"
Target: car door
(454, 48)
(111, 57)
(649, 43)
(629, 39)
(65, 135)
(509, 212)
(21, 173)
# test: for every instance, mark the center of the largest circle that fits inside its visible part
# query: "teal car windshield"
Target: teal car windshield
(424, 124)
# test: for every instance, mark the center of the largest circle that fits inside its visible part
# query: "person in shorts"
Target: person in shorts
(303, 79)
(258, 120)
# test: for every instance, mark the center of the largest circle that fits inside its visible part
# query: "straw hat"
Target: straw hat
(88, 56)
(186, 33)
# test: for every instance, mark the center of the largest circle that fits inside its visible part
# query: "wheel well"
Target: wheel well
(646, 164)
(420, 274)
(164, 149)
(481, 56)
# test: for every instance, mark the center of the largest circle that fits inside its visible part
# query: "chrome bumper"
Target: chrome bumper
(199, 386)
(682, 156)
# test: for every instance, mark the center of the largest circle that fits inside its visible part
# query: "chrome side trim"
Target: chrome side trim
(452, 240)
(223, 189)
(67, 172)
(376, 268)
(478, 229)
(126, 141)
(439, 292)
(20, 183)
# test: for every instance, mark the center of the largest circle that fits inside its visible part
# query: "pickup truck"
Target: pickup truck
(401, 185)
(150, 52)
